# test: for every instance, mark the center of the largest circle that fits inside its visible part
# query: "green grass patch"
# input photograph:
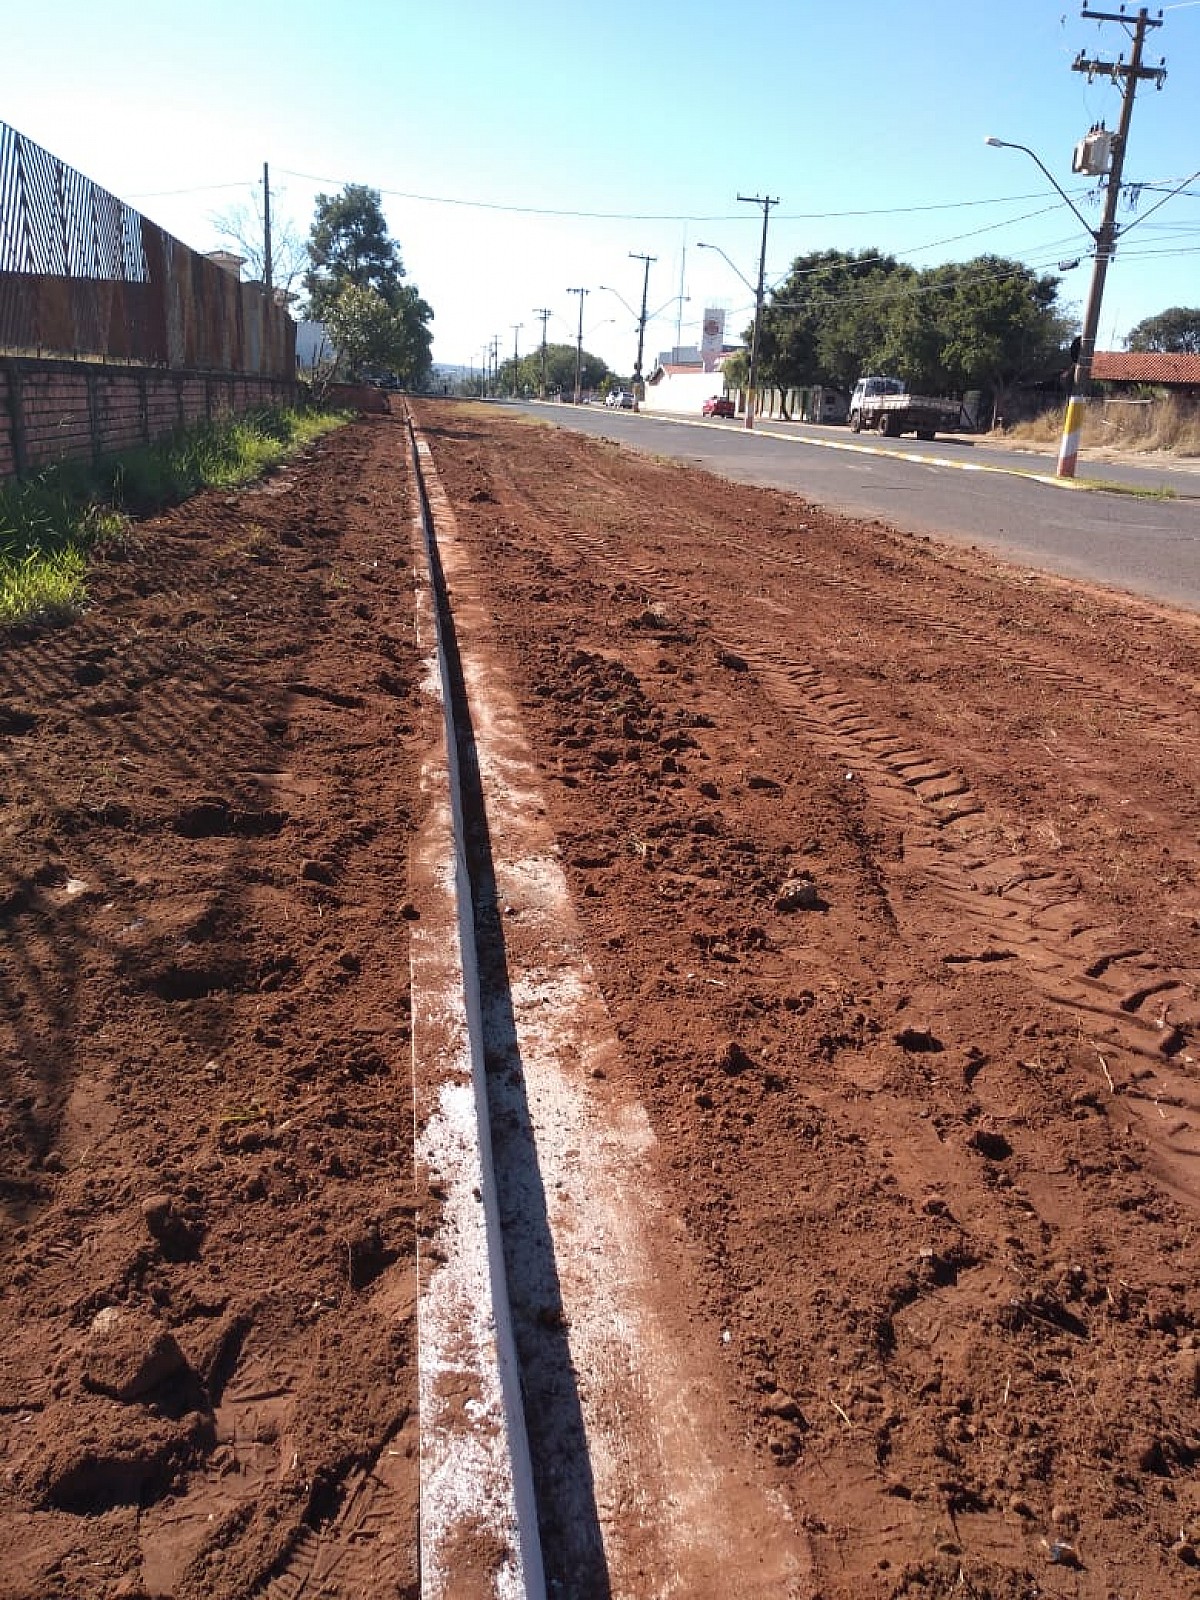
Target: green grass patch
(42, 588)
(51, 525)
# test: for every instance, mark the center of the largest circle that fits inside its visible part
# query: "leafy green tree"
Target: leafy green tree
(862, 323)
(355, 286)
(1000, 322)
(349, 244)
(1175, 331)
(735, 369)
(528, 372)
(981, 324)
(415, 359)
(361, 328)
(370, 336)
(560, 371)
(827, 322)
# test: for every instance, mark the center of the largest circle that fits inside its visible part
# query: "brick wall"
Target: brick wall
(63, 410)
(8, 465)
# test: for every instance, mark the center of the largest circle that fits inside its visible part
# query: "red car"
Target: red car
(719, 406)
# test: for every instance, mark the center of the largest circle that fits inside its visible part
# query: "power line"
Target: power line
(664, 216)
(642, 216)
(199, 188)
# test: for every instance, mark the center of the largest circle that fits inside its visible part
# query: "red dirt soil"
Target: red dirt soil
(886, 857)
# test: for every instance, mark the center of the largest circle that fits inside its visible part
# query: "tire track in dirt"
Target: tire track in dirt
(1047, 662)
(1038, 658)
(1134, 1011)
(1139, 1016)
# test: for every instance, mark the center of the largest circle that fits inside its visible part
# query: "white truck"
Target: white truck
(886, 405)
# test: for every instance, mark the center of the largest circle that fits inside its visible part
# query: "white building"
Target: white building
(684, 378)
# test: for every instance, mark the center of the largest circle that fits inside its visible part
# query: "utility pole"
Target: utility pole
(541, 311)
(579, 345)
(267, 231)
(1129, 73)
(516, 328)
(757, 200)
(639, 388)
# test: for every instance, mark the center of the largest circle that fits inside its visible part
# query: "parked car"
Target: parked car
(719, 406)
(622, 399)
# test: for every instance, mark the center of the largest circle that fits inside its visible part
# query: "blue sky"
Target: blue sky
(526, 147)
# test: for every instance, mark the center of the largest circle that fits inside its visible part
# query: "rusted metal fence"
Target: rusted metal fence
(86, 277)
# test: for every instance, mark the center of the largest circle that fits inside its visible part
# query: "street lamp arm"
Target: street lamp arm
(666, 303)
(608, 288)
(1008, 144)
(700, 245)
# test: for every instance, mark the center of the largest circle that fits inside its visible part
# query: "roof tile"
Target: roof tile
(1116, 366)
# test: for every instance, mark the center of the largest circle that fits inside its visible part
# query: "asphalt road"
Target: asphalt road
(1147, 543)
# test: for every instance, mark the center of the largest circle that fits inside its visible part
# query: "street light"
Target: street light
(639, 388)
(641, 320)
(1105, 240)
(608, 289)
(757, 292)
(700, 245)
(1008, 144)
(579, 343)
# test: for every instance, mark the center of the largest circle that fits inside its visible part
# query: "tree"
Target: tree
(560, 371)
(349, 244)
(416, 340)
(362, 329)
(1000, 323)
(827, 322)
(1174, 331)
(979, 324)
(241, 226)
(355, 286)
(372, 337)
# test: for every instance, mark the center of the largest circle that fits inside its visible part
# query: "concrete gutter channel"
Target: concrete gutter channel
(476, 1484)
(571, 1441)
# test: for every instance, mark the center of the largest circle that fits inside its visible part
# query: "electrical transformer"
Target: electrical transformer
(1094, 152)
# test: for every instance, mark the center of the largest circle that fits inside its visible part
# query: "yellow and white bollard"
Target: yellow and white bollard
(1068, 450)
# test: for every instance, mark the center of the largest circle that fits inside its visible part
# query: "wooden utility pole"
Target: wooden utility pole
(1128, 74)
(757, 200)
(516, 328)
(579, 346)
(639, 388)
(544, 314)
(266, 230)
